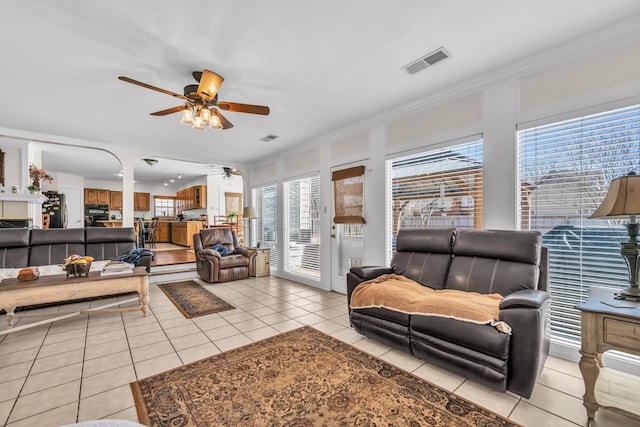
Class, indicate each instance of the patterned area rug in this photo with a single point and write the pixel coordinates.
(193, 300)
(300, 378)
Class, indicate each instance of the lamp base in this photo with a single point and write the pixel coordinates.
(632, 293)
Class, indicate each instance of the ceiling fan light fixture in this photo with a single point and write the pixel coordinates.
(210, 83)
(187, 116)
(205, 114)
(215, 121)
(197, 123)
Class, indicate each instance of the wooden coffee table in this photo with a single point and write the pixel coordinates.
(60, 288)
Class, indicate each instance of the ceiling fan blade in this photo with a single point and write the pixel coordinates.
(244, 108)
(210, 83)
(157, 89)
(168, 111)
(226, 124)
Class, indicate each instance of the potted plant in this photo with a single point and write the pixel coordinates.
(33, 189)
(232, 217)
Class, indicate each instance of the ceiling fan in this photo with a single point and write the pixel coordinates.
(202, 107)
(225, 171)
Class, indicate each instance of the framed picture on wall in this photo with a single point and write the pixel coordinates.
(2, 168)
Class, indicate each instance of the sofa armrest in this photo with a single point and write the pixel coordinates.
(526, 298)
(145, 261)
(357, 275)
(204, 253)
(528, 313)
(370, 272)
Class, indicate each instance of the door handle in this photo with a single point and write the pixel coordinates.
(333, 236)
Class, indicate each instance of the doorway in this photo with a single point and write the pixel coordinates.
(347, 239)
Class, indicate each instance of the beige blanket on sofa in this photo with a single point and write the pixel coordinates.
(399, 293)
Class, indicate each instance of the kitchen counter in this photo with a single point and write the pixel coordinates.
(109, 223)
(182, 232)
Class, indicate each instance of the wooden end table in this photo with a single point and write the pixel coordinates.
(60, 288)
(609, 324)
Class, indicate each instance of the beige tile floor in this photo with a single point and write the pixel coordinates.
(80, 368)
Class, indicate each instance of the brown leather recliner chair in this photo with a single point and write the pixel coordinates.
(211, 266)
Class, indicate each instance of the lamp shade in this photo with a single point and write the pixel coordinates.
(249, 212)
(209, 84)
(622, 199)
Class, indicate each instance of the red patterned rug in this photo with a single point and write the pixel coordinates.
(300, 378)
(193, 300)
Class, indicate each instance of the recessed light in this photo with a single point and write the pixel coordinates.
(172, 180)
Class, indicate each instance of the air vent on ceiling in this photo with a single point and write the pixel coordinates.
(426, 61)
(268, 138)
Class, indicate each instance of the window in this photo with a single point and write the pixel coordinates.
(437, 188)
(265, 202)
(301, 249)
(565, 171)
(164, 206)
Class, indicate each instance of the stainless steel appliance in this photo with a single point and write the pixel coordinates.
(56, 207)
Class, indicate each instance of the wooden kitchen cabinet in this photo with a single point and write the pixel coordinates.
(182, 232)
(141, 201)
(115, 200)
(192, 198)
(163, 232)
(93, 196)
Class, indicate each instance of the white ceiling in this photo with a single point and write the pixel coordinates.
(319, 66)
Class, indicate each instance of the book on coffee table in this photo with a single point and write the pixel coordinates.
(117, 267)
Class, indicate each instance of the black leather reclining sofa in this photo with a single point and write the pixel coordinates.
(23, 247)
(511, 263)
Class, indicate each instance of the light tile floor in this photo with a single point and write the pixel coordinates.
(80, 368)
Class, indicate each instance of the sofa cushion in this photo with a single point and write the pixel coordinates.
(14, 250)
(424, 255)
(104, 243)
(52, 246)
(236, 260)
(495, 261)
(484, 339)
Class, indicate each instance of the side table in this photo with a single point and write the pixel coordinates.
(262, 261)
(609, 324)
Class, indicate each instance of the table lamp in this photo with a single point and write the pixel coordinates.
(249, 213)
(623, 199)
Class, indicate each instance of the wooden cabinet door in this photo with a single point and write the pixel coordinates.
(90, 196)
(115, 200)
(162, 232)
(200, 196)
(262, 263)
(179, 234)
(141, 201)
(103, 197)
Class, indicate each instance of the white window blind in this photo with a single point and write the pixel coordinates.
(437, 188)
(265, 202)
(301, 230)
(565, 171)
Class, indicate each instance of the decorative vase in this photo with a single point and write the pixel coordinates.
(36, 183)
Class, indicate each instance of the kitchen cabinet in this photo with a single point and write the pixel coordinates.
(141, 201)
(182, 232)
(93, 196)
(115, 200)
(192, 198)
(163, 232)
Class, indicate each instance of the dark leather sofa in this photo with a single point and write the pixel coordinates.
(23, 247)
(211, 266)
(511, 263)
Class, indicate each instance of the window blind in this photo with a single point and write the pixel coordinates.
(436, 188)
(266, 223)
(301, 228)
(348, 191)
(565, 170)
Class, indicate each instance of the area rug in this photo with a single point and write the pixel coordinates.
(300, 378)
(193, 300)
